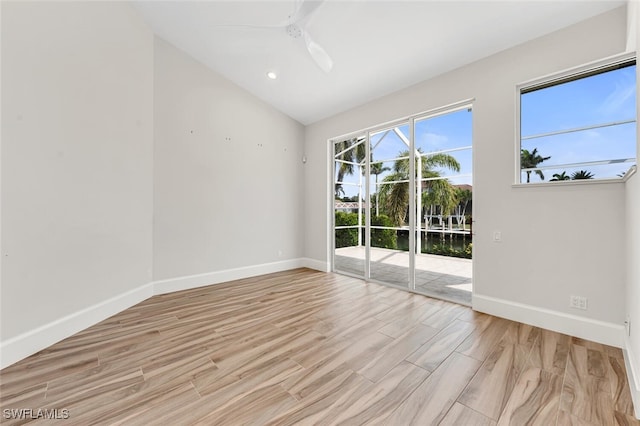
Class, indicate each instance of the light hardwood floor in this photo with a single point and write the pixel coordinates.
(304, 347)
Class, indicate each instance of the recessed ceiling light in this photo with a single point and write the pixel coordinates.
(272, 75)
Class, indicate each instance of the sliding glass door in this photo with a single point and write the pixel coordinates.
(402, 204)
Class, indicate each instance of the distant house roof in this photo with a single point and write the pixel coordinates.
(348, 204)
(464, 186)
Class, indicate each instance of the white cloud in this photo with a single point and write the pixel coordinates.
(617, 100)
(432, 140)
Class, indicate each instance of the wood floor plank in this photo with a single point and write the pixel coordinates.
(535, 399)
(462, 415)
(35, 371)
(498, 373)
(349, 323)
(365, 346)
(272, 372)
(583, 395)
(481, 343)
(521, 334)
(308, 381)
(256, 408)
(623, 419)
(28, 396)
(568, 419)
(236, 346)
(222, 395)
(394, 353)
(185, 368)
(405, 321)
(304, 347)
(550, 352)
(440, 319)
(432, 353)
(151, 410)
(127, 402)
(286, 341)
(375, 402)
(412, 309)
(620, 392)
(431, 401)
(319, 405)
(93, 381)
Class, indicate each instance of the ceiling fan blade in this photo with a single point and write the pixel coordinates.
(319, 55)
(304, 8)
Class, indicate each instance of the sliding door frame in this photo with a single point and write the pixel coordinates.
(366, 133)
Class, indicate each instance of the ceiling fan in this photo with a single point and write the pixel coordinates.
(295, 27)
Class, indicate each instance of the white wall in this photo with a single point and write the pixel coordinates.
(77, 113)
(98, 215)
(633, 286)
(553, 245)
(228, 175)
(632, 347)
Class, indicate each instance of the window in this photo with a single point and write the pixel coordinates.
(579, 125)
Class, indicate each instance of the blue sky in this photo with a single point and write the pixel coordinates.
(600, 99)
(434, 134)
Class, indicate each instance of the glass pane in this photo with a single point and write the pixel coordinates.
(389, 195)
(443, 205)
(615, 145)
(349, 168)
(349, 255)
(583, 128)
(601, 98)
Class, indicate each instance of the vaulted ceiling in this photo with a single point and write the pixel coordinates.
(377, 47)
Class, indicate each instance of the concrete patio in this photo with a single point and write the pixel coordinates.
(444, 277)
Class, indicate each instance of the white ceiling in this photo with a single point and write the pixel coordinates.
(378, 47)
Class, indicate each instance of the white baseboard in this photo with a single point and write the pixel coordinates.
(26, 344)
(193, 281)
(598, 331)
(14, 349)
(632, 364)
(318, 265)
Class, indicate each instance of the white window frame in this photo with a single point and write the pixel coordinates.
(559, 78)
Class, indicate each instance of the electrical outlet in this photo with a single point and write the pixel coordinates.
(583, 303)
(578, 302)
(497, 236)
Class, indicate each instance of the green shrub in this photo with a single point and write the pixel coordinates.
(445, 250)
(346, 237)
(385, 238)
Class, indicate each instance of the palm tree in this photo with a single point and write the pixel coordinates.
(378, 169)
(581, 174)
(530, 160)
(350, 151)
(441, 193)
(561, 176)
(464, 197)
(394, 197)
